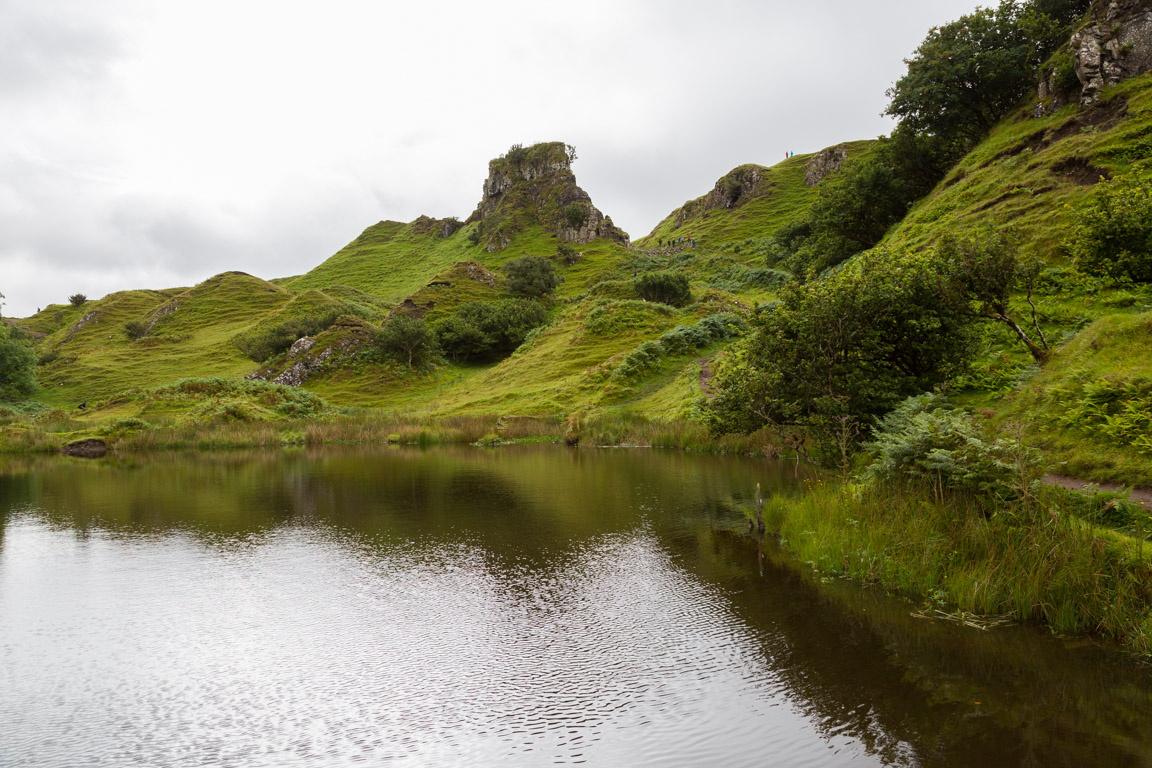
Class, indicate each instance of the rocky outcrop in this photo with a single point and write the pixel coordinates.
(426, 225)
(1115, 46)
(308, 354)
(732, 190)
(535, 185)
(82, 323)
(92, 448)
(825, 162)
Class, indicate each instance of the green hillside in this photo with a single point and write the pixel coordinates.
(1030, 173)
(90, 357)
(751, 201)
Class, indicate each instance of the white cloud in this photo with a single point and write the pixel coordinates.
(150, 145)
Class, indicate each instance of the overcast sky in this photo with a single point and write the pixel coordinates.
(150, 144)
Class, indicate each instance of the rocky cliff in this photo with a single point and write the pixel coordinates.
(732, 190)
(535, 186)
(1114, 45)
(825, 162)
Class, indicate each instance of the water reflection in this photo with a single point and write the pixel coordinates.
(512, 607)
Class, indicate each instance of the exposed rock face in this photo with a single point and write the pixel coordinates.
(535, 185)
(342, 340)
(732, 190)
(163, 312)
(82, 323)
(825, 162)
(1115, 45)
(92, 448)
(425, 225)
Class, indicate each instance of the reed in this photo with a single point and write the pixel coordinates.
(1038, 563)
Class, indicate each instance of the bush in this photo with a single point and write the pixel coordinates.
(923, 439)
(575, 215)
(1112, 234)
(261, 344)
(664, 287)
(854, 208)
(1111, 410)
(488, 330)
(134, 329)
(17, 364)
(532, 276)
(77, 299)
(681, 340)
(567, 254)
(407, 340)
(837, 353)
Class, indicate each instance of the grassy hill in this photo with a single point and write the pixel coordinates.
(603, 349)
(750, 201)
(1030, 173)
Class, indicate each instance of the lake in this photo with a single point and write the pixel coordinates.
(520, 606)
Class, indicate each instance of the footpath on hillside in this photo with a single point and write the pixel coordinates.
(1139, 494)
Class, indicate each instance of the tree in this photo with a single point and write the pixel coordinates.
(77, 299)
(1112, 234)
(968, 74)
(17, 364)
(985, 272)
(488, 330)
(135, 330)
(407, 339)
(855, 207)
(837, 353)
(665, 287)
(575, 215)
(532, 276)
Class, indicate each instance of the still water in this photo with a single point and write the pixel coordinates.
(511, 607)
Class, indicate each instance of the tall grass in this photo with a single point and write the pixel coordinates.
(623, 428)
(1038, 562)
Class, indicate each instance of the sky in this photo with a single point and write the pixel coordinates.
(150, 144)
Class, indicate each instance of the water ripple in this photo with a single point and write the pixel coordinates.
(304, 646)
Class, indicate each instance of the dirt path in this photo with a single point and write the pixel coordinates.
(1076, 484)
(706, 376)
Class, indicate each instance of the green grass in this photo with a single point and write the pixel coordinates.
(1028, 172)
(1042, 564)
(782, 196)
(192, 334)
(1090, 407)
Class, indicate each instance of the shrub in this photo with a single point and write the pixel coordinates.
(567, 254)
(836, 353)
(681, 340)
(134, 329)
(407, 340)
(532, 276)
(1112, 234)
(924, 439)
(575, 215)
(665, 287)
(488, 330)
(77, 299)
(262, 343)
(17, 364)
(1111, 410)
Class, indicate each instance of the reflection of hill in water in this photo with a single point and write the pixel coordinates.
(559, 540)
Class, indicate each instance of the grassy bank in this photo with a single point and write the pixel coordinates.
(233, 427)
(1045, 561)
